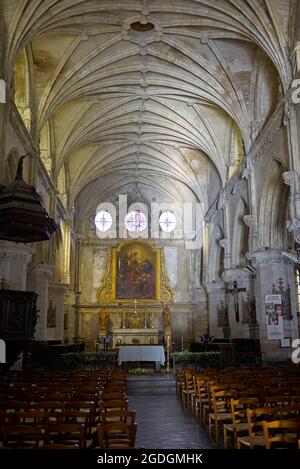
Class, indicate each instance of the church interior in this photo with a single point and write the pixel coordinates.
(149, 223)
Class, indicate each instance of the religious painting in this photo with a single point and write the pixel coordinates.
(136, 272)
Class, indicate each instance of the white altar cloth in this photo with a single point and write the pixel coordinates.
(142, 353)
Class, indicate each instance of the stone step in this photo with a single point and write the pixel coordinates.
(151, 385)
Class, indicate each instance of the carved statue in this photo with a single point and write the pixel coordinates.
(166, 317)
(103, 319)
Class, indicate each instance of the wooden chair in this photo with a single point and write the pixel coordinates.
(187, 389)
(67, 434)
(281, 433)
(107, 406)
(221, 413)
(32, 417)
(22, 436)
(58, 446)
(239, 425)
(117, 435)
(125, 416)
(255, 418)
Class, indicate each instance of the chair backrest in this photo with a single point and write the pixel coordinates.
(66, 433)
(117, 435)
(113, 396)
(114, 405)
(221, 400)
(255, 419)
(22, 436)
(281, 433)
(239, 408)
(125, 416)
(32, 417)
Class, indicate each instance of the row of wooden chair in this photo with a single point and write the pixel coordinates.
(87, 410)
(236, 403)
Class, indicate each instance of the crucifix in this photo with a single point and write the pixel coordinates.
(235, 293)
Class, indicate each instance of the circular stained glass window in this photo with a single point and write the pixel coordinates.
(167, 221)
(103, 220)
(135, 221)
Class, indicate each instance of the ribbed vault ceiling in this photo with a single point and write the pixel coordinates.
(170, 106)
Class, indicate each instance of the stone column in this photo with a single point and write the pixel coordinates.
(56, 296)
(292, 179)
(69, 321)
(271, 266)
(215, 295)
(243, 279)
(14, 259)
(38, 281)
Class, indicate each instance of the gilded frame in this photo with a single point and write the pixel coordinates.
(107, 292)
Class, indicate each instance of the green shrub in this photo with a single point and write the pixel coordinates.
(198, 359)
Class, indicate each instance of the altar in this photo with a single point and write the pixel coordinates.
(124, 336)
(142, 353)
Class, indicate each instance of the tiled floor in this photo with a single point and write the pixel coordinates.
(163, 424)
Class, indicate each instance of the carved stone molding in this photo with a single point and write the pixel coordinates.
(15, 253)
(249, 220)
(215, 287)
(289, 177)
(266, 256)
(238, 274)
(44, 270)
(293, 226)
(58, 287)
(224, 243)
(223, 199)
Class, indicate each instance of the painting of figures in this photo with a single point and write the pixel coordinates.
(135, 269)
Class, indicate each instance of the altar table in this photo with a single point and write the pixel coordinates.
(142, 353)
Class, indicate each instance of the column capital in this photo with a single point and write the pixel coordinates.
(42, 269)
(235, 274)
(290, 177)
(15, 252)
(58, 287)
(266, 256)
(214, 286)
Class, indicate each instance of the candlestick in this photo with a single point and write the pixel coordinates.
(168, 354)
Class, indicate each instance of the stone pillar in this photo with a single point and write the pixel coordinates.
(69, 321)
(215, 295)
(14, 259)
(271, 266)
(292, 179)
(38, 281)
(243, 279)
(56, 296)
